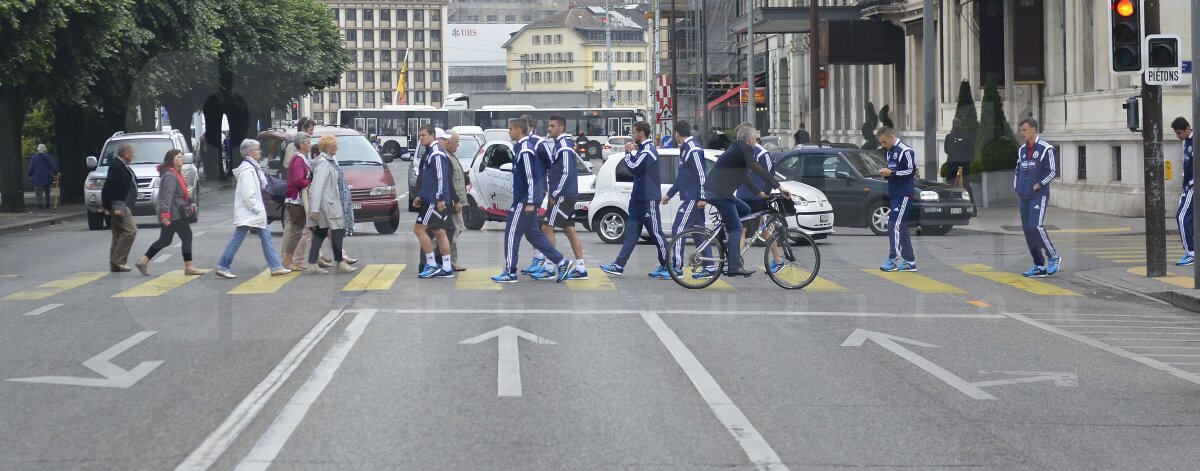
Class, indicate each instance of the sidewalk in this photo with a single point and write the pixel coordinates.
(1059, 220)
(34, 218)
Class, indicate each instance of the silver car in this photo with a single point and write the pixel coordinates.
(149, 148)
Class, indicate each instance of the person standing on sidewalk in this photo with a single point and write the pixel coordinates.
(42, 171)
(174, 209)
(901, 163)
(326, 213)
(249, 212)
(298, 179)
(1183, 215)
(1035, 170)
(801, 136)
(117, 198)
(960, 152)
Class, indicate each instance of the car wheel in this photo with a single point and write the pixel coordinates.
(95, 221)
(877, 218)
(389, 226)
(936, 230)
(473, 217)
(595, 150)
(610, 226)
(392, 149)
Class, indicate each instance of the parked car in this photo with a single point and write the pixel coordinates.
(850, 178)
(608, 212)
(489, 193)
(149, 148)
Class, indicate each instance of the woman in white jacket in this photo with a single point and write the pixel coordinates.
(249, 213)
(326, 215)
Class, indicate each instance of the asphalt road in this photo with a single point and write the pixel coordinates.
(962, 367)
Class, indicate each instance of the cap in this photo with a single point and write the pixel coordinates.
(440, 133)
(41, 148)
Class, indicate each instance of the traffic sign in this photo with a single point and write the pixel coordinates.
(1161, 60)
(665, 114)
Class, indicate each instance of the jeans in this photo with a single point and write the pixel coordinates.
(239, 234)
(732, 211)
(335, 239)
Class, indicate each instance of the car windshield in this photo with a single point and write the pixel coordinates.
(867, 163)
(355, 150)
(145, 151)
(467, 148)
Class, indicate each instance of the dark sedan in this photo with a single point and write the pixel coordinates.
(850, 179)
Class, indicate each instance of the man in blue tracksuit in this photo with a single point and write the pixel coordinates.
(528, 192)
(542, 150)
(1183, 215)
(434, 203)
(1035, 170)
(564, 193)
(689, 185)
(901, 163)
(643, 207)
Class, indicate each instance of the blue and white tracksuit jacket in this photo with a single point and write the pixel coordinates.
(434, 183)
(1183, 215)
(689, 185)
(902, 161)
(643, 203)
(562, 177)
(529, 186)
(1035, 167)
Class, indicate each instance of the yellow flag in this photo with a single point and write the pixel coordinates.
(400, 83)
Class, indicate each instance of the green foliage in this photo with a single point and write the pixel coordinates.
(885, 116)
(870, 142)
(38, 129)
(965, 109)
(995, 145)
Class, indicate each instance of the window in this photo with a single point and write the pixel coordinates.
(641, 95)
(435, 56)
(385, 14)
(558, 77)
(385, 56)
(419, 76)
(616, 57)
(435, 15)
(435, 76)
(510, 18)
(385, 34)
(369, 76)
(435, 35)
(369, 14)
(527, 18)
(316, 97)
(385, 76)
(351, 14)
(387, 97)
(352, 98)
(337, 15)
(571, 57)
(402, 35)
(558, 39)
(418, 15)
(537, 40)
(369, 98)
(639, 57)
(352, 76)
(369, 56)
(419, 36)
(1116, 164)
(493, 18)
(596, 56)
(537, 77)
(419, 57)
(352, 35)
(559, 57)
(570, 76)
(335, 97)
(436, 96)
(401, 15)
(595, 75)
(547, 39)
(524, 77)
(353, 55)
(420, 97)
(368, 35)
(1081, 164)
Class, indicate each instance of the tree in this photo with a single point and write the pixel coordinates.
(868, 128)
(964, 111)
(37, 129)
(885, 116)
(995, 145)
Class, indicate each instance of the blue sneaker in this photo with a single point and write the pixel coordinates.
(505, 277)
(428, 271)
(543, 275)
(1036, 272)
(442, 273)
(1187, 260)
(889, 266)
(1055, 264)
(775, 266)
(565, 267)
(534, 266)
(576, 274)
(704, 275)
(613, 269)
(660, 273)
(907, 266)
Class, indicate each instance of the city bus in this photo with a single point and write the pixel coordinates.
(395, 126)
(598, 124)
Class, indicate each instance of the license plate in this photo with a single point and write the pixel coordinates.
(356, 205)
(956, 210)
(824, 218)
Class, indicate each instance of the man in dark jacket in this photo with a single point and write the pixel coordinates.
(42, 171)
(117, 198)
(801, 136)
(730, 172)
(960, 152)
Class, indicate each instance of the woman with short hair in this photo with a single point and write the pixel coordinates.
(298, 179)
(249, 212)
(174, 210)
(326, 215)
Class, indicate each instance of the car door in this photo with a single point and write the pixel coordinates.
(668, 170)
(843, 187)
(495, 185)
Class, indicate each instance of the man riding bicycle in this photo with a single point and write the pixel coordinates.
(732, 170)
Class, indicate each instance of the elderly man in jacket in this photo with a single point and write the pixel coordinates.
(116, 199)
(458, 181)
(42, 170)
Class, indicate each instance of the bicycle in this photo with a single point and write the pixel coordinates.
(791, 257)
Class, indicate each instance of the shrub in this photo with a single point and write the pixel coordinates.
(995, 145)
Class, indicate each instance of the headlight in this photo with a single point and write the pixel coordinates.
(383, 191)
(929, 196)
(95, 183)
(966, 195)
(154, 182)
(797, 199)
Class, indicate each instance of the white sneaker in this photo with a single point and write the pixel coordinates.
(344, 267)
(315, 270)
(226, 274)
(280, 272)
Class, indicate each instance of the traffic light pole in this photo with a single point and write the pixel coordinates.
(814, 65)
(1156, 237)
(928, 34)
(1195, 117)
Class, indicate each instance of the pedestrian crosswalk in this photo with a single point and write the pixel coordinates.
(384, 277)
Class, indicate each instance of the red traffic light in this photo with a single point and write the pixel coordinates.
(1124, 8)
(295, 105)
(822, 79)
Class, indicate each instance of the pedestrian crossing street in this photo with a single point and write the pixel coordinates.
(383, 277)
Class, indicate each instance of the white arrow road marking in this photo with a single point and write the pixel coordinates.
(892, 343)
(43, 309)
(1059, 379)
(508, 368)
(114, 376)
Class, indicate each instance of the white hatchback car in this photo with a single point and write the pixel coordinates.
(608, 211)
(489, 185)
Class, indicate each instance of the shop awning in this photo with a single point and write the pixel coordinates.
(726, 96)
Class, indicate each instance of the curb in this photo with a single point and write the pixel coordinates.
(1183, 299)
(50, 221)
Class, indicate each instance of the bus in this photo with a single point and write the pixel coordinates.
(395, 126)
(598, 124)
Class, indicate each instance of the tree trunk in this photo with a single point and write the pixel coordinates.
(213, 159)
(70, 121)
(12, 173)
(113, 117)
(239, 127)
(180, 110)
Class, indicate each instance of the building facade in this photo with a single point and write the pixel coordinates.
(512, 11)
(567, 52)
(381, 37)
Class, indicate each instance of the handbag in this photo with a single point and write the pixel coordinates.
(276, 186)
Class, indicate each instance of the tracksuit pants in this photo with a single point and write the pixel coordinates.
(689, 215)
(643, 213)
(1184, 217)
(900, 244)
(1033, 214)
(525, 224)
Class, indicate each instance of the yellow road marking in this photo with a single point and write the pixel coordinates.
(1171, 278)
(916, 282)
(156, 287)
(819, 283)
(597, 281)
(377, 277)
(52, 288)
(1092, 231)
(1015, 280)
(478, 279)
(263, 283)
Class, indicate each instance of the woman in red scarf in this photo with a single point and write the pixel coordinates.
(174, 208)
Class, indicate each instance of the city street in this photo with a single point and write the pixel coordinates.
(964, 364)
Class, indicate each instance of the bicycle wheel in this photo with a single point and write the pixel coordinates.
(792, 259)
(690, 253)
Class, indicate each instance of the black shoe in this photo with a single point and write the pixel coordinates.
(741, 272)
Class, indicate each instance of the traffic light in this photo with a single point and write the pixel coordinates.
(822, 79)
(1133, 117)
(1162, 52)
(1125, 36)
(295, 110)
